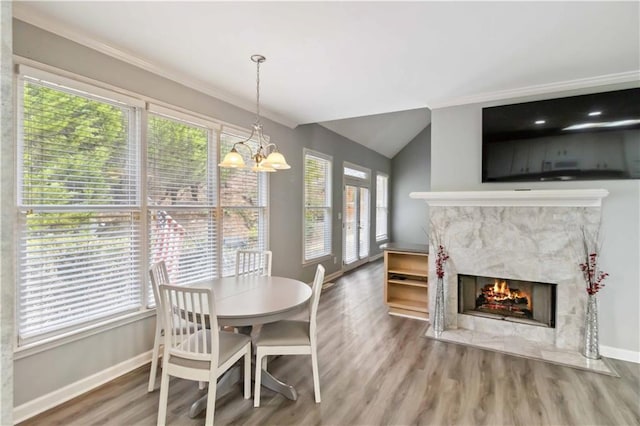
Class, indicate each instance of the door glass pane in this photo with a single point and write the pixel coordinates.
(350, 224)
(364, 223)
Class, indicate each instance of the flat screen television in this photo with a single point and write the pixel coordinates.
(586, 137)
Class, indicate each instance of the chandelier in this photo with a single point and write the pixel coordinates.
(265, 161)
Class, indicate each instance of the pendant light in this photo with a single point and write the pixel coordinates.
(267, 158)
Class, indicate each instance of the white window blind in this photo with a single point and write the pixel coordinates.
(363, 220)
(243, 198)
(79, 230)
(81, 243)
(382, 207)
(181, 179)
(317, 205)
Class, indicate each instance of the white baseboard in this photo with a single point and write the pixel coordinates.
(57, 397)
(333, 276)
(376, 257)
(621, 354)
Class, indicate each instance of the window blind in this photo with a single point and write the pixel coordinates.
(317, 205)
(382, 207)
(79, 230)
(181, 179)
(76, 267)
(363, 234)
(76, 151)
(244, 198)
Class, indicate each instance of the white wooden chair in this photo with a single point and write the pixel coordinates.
(158, 275)
(253, 262)
(288, 337)
(202, 353)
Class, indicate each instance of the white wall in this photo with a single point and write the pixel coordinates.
(456, 152)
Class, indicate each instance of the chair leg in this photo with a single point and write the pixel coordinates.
(164, 395)
(247, 372)
(316, 375)
(211, 399)
(154, 359)
(258, 379)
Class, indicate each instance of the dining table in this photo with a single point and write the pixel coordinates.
(244, 302)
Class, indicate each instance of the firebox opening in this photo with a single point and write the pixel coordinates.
(520, 301)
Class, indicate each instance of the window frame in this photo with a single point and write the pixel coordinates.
(63, 84)
(263, 185)
(382, 237)
(142, 105)
(329, 187)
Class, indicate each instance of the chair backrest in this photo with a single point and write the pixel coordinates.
(316, 289)
(253, 262)
(190, 313)
(158, 275)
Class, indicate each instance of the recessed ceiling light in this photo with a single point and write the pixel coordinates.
(594, 113)
(541, 121)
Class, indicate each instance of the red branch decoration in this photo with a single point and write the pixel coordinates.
(592, 275)
(441, 259)
(441, 255)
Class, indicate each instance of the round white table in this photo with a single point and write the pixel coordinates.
(247, 301)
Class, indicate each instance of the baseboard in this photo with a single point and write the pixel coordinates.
(57, 397)
(376, 257)
(333, 276)
(621, 354)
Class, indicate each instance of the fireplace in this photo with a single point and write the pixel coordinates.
(525, 302)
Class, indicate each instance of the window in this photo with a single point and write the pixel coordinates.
(382, 207)
(243, 197)
(79, 236)
(97, 205)
(181, 179)
(317, 205)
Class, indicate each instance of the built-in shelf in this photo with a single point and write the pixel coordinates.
(408, 304)
(416, 283)
(411, 272)
(406, 287)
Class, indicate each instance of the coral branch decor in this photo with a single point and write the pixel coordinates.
(441, 258)
(594, 278)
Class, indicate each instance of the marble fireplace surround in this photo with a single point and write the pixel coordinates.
(531, 235)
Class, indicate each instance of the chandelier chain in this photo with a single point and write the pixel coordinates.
(258, 92)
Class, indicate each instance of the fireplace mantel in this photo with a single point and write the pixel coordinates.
(515, 198)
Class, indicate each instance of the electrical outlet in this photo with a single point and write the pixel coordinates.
(335, 260)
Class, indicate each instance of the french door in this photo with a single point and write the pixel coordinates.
(356, 229)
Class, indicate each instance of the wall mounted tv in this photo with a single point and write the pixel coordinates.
(587, 137)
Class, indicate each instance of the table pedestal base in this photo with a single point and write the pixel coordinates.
(233, 377)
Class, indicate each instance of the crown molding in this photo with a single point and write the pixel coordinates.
(623, 77)
(26, 14)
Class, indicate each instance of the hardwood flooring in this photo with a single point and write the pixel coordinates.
(378, 369)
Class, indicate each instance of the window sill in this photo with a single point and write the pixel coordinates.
(43, 345)
(317, 260)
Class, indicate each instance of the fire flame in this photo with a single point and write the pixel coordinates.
(501, 292)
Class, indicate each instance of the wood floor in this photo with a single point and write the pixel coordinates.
(377, 370)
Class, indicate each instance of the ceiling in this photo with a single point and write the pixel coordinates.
(367, 70)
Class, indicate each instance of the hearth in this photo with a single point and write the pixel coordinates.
(519, 301)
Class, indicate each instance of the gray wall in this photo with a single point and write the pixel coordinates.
(457, 145)
(411, 173)
(42, 372)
